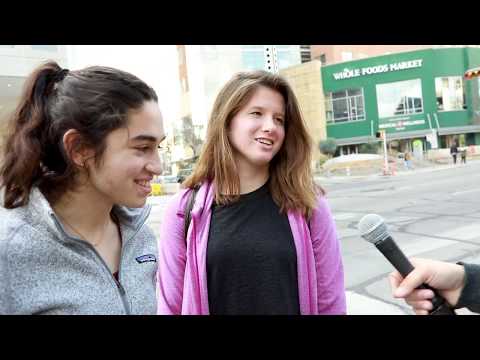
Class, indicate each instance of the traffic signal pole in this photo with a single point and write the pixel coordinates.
(385, 154)
(270, 58)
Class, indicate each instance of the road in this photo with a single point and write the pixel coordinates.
(431, 213)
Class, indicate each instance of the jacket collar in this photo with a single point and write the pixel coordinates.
(39, 212)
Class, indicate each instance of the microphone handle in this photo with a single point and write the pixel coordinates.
(397, 258)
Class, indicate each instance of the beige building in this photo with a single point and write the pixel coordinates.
(306, 81)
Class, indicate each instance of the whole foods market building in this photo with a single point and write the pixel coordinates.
(419, 98)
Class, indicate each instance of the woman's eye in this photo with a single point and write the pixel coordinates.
(256, 113)
(143, 148)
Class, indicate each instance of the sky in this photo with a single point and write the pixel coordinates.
(155, 64)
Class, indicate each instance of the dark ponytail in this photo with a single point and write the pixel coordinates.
(94, 101)
(24, 147)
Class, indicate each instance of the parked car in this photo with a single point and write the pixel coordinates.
(166, 179)
(183, 174)
(160, 184)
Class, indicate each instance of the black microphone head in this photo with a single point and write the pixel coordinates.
(372, 228)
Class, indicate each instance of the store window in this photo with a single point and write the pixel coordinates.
(399, 98)
(450, 93)
(345, 105)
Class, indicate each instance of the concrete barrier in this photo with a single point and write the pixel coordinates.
(170, 188)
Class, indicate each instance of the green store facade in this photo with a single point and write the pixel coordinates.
(419, 98)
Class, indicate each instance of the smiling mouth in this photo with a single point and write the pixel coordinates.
(144, 183)
(264, 141)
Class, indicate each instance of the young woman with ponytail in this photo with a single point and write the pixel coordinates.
(75, 172)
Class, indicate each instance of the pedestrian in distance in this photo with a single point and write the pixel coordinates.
(77, 164)
(463, 154)
(458, 284)
(408, 161)
(260, 236)
(454, 152)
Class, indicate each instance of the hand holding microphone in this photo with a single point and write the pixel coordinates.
(417, 284)
(446, 278)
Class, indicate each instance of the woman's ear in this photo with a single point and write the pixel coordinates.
(76, 149)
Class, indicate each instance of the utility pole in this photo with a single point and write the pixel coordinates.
(270, 58)
(382, 134)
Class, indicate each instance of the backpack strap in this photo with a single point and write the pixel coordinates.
(188, 211)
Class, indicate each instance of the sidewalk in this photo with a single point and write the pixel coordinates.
(401, 171)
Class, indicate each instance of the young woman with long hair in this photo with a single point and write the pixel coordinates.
(261, 238)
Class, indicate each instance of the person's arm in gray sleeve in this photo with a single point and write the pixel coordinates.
(5, 295)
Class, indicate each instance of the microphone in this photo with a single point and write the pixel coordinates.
(373, 229)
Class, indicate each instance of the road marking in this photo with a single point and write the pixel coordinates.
(345, 216)
(404, 188)
(422, 245)
(465, 192)
(467, 232)
(363, 305)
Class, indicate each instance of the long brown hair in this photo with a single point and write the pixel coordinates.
(94, 101)
(291, 181)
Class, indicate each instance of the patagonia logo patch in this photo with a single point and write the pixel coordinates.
(146, 258)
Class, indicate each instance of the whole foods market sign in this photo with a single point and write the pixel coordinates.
(378, 69)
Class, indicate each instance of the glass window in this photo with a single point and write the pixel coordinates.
(345, 105)
(339, 94)
(399, 98)
(354, 92)
(51, 48)
(450, 93)
(329, 107)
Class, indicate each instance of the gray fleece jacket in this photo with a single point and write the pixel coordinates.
(43, 270)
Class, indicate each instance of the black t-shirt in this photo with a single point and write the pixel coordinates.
(251, 258)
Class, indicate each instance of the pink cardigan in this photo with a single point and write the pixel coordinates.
(182, 275)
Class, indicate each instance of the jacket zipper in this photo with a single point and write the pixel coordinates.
(118, 286)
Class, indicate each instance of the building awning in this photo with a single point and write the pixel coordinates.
(408, 134)
(472, 73)
(459, 130)
(355, 140)
(390, 136)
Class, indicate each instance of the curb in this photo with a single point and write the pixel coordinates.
(399, 173)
